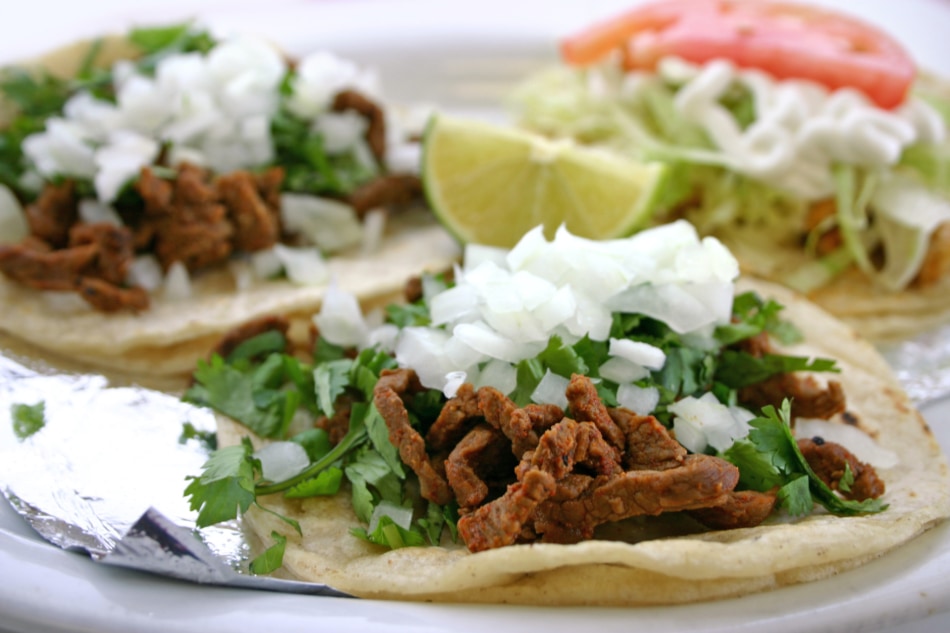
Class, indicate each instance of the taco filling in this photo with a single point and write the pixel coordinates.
(161, 188)
(805, 139)
(610, 400)
(187, 154)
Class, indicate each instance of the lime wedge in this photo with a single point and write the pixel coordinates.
(490, 184)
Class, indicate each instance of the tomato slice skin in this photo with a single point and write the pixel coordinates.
(787, 41)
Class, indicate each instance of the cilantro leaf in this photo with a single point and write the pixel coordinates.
(372, 481)
(563, 359)
(795, 496)
(378, 434)
(752, 317)
(28, 419)
(740, 369)
(330, 380)
(225, 488)
(325, 484)
(408, 315)
(272, 558)
(391, 526)
(263, 344)
(248, 396)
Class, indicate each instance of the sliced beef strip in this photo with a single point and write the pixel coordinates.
(374, 115)
(586, 406)
(187, 220)
(828, 460)
(701, 481)
(385, 192)
(476, 463)
(52, 214)
(411, 446)
(458, 415)
(500, 522)
(809, 398)
(517, 424)
(115, 252)
(108, 297)
(649, 444)
(256, 222)
(47, 270)
(741, 509)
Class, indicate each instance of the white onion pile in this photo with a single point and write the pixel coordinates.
(506, 305)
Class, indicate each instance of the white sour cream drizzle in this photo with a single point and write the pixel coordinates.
(801, 128)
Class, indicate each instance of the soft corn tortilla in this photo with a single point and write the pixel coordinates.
(168, 337)
(649, 568)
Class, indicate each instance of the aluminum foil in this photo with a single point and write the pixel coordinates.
(922, 364)
(106, 473)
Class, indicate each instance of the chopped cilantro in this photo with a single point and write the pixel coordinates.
(225, 488)
(770, 457)
(28, 419)
(739, 369)
(272, 558)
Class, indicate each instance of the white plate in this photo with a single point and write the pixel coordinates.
(464, 57)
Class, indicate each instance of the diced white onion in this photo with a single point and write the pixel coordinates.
(340, 130)
(453, 380)
(266, 264)
(640, 400)
(649, 356)
(374, 228)
(852, 438)
(340, 319)
(94, 212)
(551, 390)
(13, 226)
(282, 460)
(146, 273)
(242, 273)
(421, 349)
(620, 370)
(708, 418)
(329, 224)
(304, 266)
(498, 374)
(177, 286)
(454, 305)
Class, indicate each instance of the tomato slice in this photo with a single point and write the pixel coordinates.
(782, 39)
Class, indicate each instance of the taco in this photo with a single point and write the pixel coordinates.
(806, 140)
(622, 456)
(161, 187)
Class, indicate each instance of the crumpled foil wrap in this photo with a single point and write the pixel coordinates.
(106, 474)
(922, 364)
